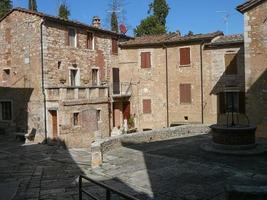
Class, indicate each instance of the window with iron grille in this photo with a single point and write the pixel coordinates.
(75, 119)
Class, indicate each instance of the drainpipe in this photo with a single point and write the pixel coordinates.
(167, 83)
(201, 81)
(42, 71)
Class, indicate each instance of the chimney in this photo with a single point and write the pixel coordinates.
(96, 22)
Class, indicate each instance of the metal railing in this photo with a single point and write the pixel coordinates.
(109, 190)
(121, 89)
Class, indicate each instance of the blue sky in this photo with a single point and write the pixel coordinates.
(199, 16)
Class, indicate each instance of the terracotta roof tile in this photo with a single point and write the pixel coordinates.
(167, 39)
(227, 40)
(61, 20)
(248, 5)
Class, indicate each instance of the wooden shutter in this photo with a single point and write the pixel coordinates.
(185, 56)
(221, 103)
(185, 93)
(230, 64)
(146, 106)
(242, 102)
(114, 46)
(145, 60)
(89, 44)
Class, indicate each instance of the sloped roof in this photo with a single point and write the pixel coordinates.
(248, 5)
(157, 40)
(227, 40)
(63, 21)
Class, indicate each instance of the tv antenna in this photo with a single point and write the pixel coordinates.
(225, 19)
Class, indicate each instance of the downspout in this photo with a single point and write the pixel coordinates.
(42, 71)
(201, 81)
(167, 83)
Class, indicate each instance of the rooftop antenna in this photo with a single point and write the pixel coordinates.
(225, 20)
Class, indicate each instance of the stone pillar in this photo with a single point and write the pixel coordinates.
(96, 155)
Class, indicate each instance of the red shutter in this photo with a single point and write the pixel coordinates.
(148, 60)
(185, 56)
(242, 102)
(185, 93)
(143, 60)
(146, 106)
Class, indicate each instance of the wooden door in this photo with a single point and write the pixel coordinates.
(116, 80)
(54, 123)
(126, 110)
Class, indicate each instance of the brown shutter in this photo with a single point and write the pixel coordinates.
(222, 102)
(67, 40)
(89, 44)
(148, 60)
(146, 106)
(185, 56)
(242, 102)
(230, 64)
(143, 59)
(114, 46)
(185, 93)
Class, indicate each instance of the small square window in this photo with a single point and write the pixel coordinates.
(75, 119)
(6, 74)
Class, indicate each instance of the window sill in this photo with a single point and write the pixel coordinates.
(189, 65)
(184, 104)
(145, 67)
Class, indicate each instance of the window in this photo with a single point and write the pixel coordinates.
(232, 101)
(98, 115)
(230, 64)
(145, 60)
(146, 106)
(73, 77)
(72, 37)
(6, 74)
(6, 110)
(75, 119)
(185, 93)
(95, 77)
(114, 46)
(185, 56)
(90, 41)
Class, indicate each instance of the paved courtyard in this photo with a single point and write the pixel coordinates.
(174, 169)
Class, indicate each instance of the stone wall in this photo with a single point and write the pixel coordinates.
(215, 80)
(20, 53)
(256, 65)
(102, 146)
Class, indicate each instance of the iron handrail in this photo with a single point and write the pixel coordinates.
(109, 190)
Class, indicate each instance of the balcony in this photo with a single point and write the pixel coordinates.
(68, 94)
(121, 89)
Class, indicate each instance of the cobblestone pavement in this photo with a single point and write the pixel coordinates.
(176, 169)
(39, 171)
(179, 169)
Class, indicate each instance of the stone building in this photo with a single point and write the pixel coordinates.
(55, 76)
(179, 79)
(255, 40)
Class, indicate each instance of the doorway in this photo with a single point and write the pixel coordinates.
(54, 127)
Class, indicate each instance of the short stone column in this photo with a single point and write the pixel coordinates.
(96, 155)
